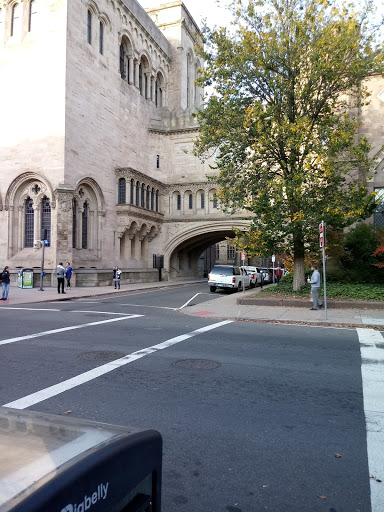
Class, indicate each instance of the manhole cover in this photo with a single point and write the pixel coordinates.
(196, 364)
(102, 355)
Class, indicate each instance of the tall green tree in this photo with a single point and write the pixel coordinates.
(283, 121)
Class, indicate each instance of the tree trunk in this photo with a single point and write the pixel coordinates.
(299, 268)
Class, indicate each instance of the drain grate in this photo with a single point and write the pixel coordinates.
(101, 355)
(196, 364)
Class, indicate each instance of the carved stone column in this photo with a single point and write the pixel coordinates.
(64, 220)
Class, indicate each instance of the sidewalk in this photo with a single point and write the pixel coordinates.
(226, 307)
(222, 306)
(30, 296)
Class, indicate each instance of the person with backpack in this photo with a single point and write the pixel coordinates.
(60, 277)
(5, 282)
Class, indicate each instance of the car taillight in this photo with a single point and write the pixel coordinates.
(253, 276)
(233, 280)
(208, 277)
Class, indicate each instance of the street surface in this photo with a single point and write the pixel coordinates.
(252, 414)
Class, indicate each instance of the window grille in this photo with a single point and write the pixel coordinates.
(46, 219)
(157, 161)
(147, 197)
(157, 200)
(217, 251)
(231, 251)
(89, 27)
(74, 223)
(137, 194)
(214, 201)
(141, 79)
(132, 191)
(101, 38)
(29, 223)
(156, 92)
(122, 190)
(122, 58)
(179, 202)
(202, 201)
(190, 201)
(152, 198)
(84, 227)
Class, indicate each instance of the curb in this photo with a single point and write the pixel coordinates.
(303, 303)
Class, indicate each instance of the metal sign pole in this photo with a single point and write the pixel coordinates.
(243, 260)
(41, 289)
(322, 245)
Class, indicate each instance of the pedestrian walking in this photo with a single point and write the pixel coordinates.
(68, 274)
(5, 282)
(116, 277)
(60, 277)
(314, 281)
(278, 274)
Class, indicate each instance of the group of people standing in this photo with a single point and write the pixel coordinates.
(63, 273)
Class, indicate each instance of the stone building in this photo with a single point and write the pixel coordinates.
(96, 133)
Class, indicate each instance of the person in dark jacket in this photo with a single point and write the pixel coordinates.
(116, 277)
(5, 281)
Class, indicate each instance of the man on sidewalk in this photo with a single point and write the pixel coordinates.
(314, 281)
(60, 277)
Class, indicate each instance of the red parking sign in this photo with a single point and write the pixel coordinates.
(321, 231)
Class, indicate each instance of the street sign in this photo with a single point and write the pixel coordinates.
(243, 256)
(273, 258)
(321, 231)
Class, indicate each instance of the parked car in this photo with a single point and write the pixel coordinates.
(254, 274)
(267, 275)
(228, 277)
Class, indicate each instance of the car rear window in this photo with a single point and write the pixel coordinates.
(226, 271)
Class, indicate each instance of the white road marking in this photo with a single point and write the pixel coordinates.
(372, 321)
(63, 329)
(30, 309)
(144, 306)
(44, 394)
(96, 312)
(372, 371)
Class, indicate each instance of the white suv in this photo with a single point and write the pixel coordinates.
(228, 277)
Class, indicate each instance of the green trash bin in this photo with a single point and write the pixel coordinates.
(25, 278)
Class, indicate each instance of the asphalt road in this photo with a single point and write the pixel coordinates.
(252, 415)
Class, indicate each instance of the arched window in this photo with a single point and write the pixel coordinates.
(122, 63)
(152, 198)
(214, 201)
(147, 198)
(122, 191)
(202, 201)
(141, 79)
(137, 193)
(74, 223)
(190, 201)
(89, 27)
(178, 201)
(157, 200)
(32, 14)
(29, 222)
(16, 22)
(84, 227)
(46, 220)
(132, 191)
(101, 38)
(156, 93)
(143, 195)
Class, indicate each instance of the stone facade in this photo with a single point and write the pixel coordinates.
(96, 133)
